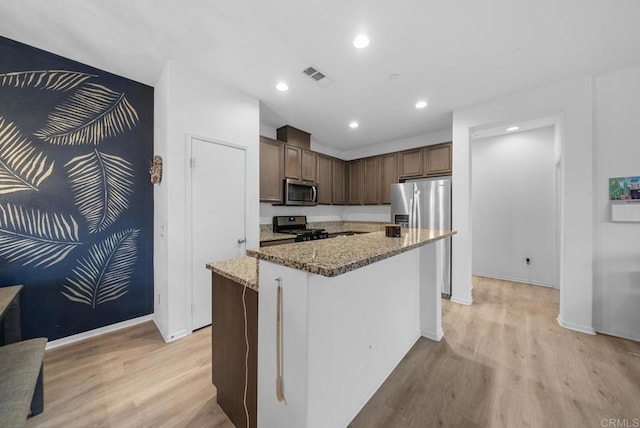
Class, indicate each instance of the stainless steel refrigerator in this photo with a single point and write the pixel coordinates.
(426, 204)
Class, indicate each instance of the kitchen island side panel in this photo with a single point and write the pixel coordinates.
(229, 349)
(361, 325)
(342, 336)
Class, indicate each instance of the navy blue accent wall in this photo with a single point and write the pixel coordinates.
(76, 202)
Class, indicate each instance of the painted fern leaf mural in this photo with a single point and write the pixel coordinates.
(105, 274)
(101, 186)
(35, 237)
(91, 114)
(55, 80)
(22, 167)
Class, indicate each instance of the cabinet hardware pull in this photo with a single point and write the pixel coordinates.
(279, 391)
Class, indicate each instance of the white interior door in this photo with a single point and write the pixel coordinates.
(217, 216)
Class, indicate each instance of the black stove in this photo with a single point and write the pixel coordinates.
(297, 225)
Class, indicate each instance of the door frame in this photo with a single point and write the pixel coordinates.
(188, 212)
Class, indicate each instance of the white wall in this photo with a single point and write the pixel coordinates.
(513, 206)
(617, 279)
(428, 139)
(572, 103)
(188, 103)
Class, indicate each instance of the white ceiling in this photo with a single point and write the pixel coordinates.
(453, 53)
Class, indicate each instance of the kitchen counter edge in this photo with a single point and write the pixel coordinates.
(371, 248)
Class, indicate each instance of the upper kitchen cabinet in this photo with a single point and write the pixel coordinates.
(271, 170)
(308, 169)
(354, 180)
(294, 137)
(371, 180)
(437, 159)
(388, 176)
(292, 162)
(324, 179)
(410, 163)
(338, 181)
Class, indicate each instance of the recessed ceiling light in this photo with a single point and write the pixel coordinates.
(513, 128)
(361, 41)
(421, 104)
(353, 124)
(282, 86)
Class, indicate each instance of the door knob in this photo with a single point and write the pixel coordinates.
(241, 240)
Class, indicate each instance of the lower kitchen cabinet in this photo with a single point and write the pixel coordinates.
(228, 348)
(325, 179)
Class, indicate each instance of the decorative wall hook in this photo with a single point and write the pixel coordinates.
(155, 170)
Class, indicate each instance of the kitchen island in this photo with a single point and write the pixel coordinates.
(350, 309)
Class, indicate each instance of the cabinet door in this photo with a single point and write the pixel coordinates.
(410, 163)
(324, 179)
(355, 182)
(308, 171)
(437, 159)
(371, 181)
(389, 175)
(292, 161)
(338, 168)
(271, 170)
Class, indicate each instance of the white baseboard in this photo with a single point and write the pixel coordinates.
(174, 336)
(519, 280)
(620, 334)
(467, 301)
(433, 336)
(98, 331)
(575, 327)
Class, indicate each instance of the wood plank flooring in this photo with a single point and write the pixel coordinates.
(131, 378)
(504, 362)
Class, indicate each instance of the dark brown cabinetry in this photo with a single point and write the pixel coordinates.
(324, 179)
(388, 176)
(271, 170)
(229, 349)
(354, 180)
(437, 159)
(371, 180)
(410, 163)
(294, 136)
(338, 182)
(292, 162)
(308, 166)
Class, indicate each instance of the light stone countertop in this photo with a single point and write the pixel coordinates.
(266, 233)
(336, 256)
(243, 270)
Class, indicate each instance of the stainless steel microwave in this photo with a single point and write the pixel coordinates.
(298, 192)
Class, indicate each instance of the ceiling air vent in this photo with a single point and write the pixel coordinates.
(313, 73)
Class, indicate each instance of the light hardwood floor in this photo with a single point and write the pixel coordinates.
(131, 378)
(504, 362)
